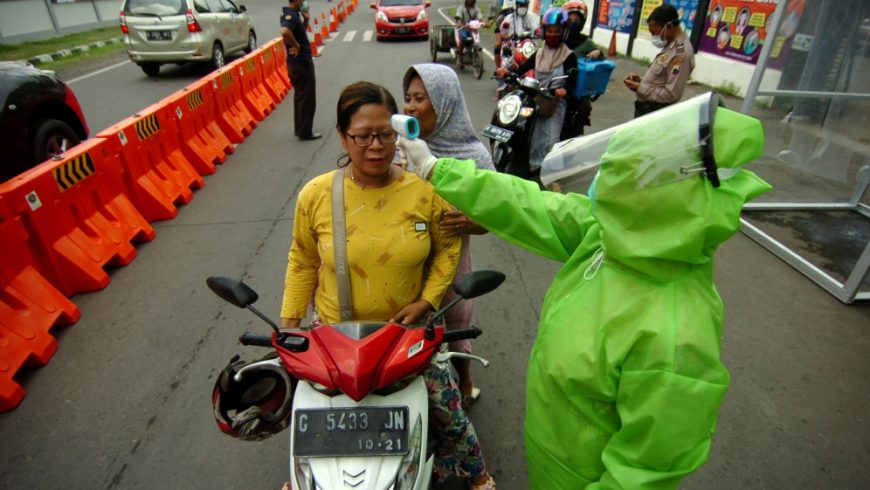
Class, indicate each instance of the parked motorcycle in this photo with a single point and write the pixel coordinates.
(472, 52)
(359, 415)
(513, 123)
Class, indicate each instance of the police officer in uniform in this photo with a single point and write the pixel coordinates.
(300, 66)
(664, 81)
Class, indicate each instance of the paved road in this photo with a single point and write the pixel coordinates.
(125, 401)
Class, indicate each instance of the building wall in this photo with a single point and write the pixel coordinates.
(24, 17)
(30, 20)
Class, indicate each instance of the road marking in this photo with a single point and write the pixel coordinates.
(451, 21)
(349, 36)
(89, 75)
(367, 36)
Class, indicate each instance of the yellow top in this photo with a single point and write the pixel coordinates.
(393, 234)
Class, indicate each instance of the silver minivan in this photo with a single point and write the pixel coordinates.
(177, 31)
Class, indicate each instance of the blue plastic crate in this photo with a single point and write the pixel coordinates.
(592, 77)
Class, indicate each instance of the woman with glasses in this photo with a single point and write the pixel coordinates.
(400, 261)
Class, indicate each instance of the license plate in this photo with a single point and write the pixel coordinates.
(369, 431)
(402, 30)
(159, 35)
(497, 133)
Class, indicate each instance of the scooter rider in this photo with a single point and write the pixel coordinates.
(465, 14)
(579, 110)
(551, 61)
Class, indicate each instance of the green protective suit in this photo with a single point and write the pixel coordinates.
(624, 381)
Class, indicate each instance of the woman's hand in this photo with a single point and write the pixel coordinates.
(412, 313)
(454, 223)
(594, 55)
(560, 92)
(501, 72)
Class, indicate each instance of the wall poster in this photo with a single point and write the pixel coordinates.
(688, 10)
(738, 28)
(619, 15)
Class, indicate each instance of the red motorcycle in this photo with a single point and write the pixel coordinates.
(352, 393)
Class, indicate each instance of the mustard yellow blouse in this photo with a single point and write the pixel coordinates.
(395, 248)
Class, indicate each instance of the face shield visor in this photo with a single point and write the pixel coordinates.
(671, 144)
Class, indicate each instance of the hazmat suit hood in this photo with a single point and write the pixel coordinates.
(670, 186)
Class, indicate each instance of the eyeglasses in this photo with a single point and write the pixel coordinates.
(364, 140)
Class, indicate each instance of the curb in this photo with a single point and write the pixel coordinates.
(63, 53)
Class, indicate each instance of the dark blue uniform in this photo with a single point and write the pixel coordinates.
(301, 70)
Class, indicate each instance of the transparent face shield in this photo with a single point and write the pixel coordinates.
(668, 145)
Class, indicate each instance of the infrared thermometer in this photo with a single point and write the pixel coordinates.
(408, 127)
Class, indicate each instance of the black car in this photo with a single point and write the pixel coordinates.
(39, 117)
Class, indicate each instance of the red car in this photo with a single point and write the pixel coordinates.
(401, 19)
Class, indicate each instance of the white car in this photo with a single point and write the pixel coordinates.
(177, 31)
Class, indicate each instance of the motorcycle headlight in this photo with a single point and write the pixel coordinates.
(303, 474)
(382, 16)
(407, 475)
(421, 15)
(528, 50)
(508, 109)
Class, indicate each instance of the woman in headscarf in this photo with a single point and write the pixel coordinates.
(434, 97)
(553, 60)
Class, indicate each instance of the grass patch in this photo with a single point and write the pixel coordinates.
(27, 50)
(644, 61)
(107, 51)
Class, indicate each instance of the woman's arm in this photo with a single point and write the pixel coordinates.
(444, 257)
(303, 261)
(550, 224)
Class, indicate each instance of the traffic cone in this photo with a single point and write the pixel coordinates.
(314, 52)
(611, 51)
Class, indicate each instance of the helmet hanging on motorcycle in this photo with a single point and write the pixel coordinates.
(257, 405)
(577, 8)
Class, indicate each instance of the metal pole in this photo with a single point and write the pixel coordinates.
(761, 65)
(53, 18)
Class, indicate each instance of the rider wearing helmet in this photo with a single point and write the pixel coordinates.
(551, 61)
(581, 44)
(579, 110)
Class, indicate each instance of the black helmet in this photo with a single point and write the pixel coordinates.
(256, 406)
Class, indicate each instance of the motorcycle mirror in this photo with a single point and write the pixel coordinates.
(232, 291)
(472, 285)
(478, 283)
(240, 295)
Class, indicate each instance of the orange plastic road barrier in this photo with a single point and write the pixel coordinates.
(318, 38)
(156, 174)
(277, 82)
(314, 52)
(254, 95)
(29, 308)
(324, 31)
(77, 216)
(333, 23)
(202, 142)
(233, 117)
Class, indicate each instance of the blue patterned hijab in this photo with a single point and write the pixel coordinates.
(453, 135)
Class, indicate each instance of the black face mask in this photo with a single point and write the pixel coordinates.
(574, 37)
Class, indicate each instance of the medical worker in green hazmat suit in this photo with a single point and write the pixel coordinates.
(624, 379)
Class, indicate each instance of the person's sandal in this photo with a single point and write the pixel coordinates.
(489, 484)
(469, 400)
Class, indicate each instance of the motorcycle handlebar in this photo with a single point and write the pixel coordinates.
(465, 333)
(248, 338)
